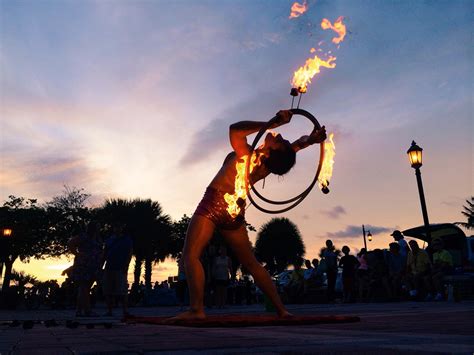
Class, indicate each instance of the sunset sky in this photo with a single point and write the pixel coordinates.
(134, 99)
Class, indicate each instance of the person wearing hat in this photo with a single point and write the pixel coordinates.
(442, 266)
(398, 236)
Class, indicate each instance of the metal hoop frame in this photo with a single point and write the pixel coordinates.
(294, 200)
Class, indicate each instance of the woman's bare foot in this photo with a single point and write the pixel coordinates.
(188, 315)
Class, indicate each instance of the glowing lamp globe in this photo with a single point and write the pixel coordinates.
(369, 236)
(7, 232)
(415, 155)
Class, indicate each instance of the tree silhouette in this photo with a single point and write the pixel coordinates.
(150, 229)
(279, 244)
(67, 216)
(29, 225)
(468, 212)
(179, 235)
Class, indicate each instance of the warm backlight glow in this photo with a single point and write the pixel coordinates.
(328, 162)
(338, 27)
(240, 191)
(298, 9)
(302, 77)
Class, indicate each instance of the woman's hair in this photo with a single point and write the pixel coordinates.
(282, 160)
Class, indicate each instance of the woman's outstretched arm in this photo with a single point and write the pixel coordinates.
(317, 136)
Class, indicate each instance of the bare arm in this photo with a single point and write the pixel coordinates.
(239, 131)
(317, 136)
(229, 265)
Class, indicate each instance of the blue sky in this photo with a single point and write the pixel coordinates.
(134, 99)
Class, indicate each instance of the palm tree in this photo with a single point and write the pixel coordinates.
(22, 279)
(149, 227)
(279, 244)
(468, 212)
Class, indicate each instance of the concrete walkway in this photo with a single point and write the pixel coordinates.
(388, 328)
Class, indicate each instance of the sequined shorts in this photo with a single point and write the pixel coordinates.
(214, 208)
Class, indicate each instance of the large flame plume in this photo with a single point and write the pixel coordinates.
(240, 187)
(338, 27)
(304, 74)
(328, 163)
(302, 77)
(298, 9)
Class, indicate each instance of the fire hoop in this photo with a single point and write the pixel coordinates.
(299, 198)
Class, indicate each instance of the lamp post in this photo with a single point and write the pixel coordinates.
(4, 247)
(363, 233)
(369, 237)
(416, 161)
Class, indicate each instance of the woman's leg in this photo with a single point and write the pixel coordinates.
(220, 296)
(87, 296)
(80, 299)
(199, 233)
(238, 240)
(83, 297)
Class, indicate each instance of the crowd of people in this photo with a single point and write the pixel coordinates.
(403, 271)
(222, 287)
(106, 264)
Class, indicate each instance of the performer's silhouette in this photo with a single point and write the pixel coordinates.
(276, 156)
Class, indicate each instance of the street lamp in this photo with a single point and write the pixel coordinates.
(7, 232)
(415, 155)
(369, 236)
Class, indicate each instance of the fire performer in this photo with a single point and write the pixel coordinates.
(276, 156)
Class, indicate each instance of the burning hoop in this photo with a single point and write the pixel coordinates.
(299, 198)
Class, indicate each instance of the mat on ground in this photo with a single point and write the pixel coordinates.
(239, 320)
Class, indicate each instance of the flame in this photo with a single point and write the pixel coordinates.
(240, 186)
(302, 77)
(338, 27)
(298, 9)
(328, 162)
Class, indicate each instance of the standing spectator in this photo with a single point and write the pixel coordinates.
(308, 272)
(349, 265)
(117, 256)
(418, 267)
(378, 275)
(294, 289)
(87, 250)
(398, 237)
(396, 269)
(330, 258)
(363, 274)
(221, 269)
(248, 290)
(317, 276)
(182, 286)
(442, 266)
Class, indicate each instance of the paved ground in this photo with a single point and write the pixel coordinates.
(388, 328)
